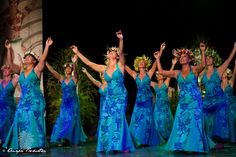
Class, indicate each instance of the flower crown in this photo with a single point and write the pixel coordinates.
(113, 48)
(68, 65)
(209, 52)
(32, 54)
(177, 53)
(146, 59)
(5, 66)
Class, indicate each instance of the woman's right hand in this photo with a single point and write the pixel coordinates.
(7, 44)
(74, 48)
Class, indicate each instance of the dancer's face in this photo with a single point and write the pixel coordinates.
(29, 59)
(184, 59)
(7, 71)
(68, 70)
(112, 55)
(142, 64)
(209, 60)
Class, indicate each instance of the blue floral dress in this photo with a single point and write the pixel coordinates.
(8, 107)
(232, 112)
(114, 134)
(162, 114)
(215, 107)
(28, 128)
(142, 125)
(68, 124)
(188, 133)
(102, 93)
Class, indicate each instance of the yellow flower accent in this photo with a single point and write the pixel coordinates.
(144, 58)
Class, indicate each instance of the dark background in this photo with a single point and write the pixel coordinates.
(91, 25)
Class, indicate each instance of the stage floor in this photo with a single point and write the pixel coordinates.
(89, 150)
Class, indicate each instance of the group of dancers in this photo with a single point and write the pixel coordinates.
(199, 125)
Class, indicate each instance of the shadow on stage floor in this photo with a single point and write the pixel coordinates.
(88, 149)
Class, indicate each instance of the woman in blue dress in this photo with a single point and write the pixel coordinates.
(215, 101)
(142, 125)
(163, 117)
(7, 100)
(68, 124)
(188, 133)
(102, 91)
(113, 134)
(28, 129)
(227, 85)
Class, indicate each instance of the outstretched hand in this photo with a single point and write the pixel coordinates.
(74, 58)
(202, 47)
(7, 44)
(163, 46)
(119, 34)
(74, 48)
(174, 60)
(157, 55)
(84, 70)
(49, 41)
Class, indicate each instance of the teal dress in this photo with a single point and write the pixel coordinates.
(232, 112)
(8, 107)
(114, 134)
(102, 93)
(188, 132)
(68, 124)
(142, 125)
(28, 128)
(215, 107)
(162, 114)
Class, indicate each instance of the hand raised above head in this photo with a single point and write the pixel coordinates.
(74, 58)
(49, 41)
(74, 48)
(202, 46)
(163, 46)
(156, 54)
(7, 44)
(119, 34)
(84, 70)
(174, 60)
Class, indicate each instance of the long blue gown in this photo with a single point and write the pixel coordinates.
(102, 93)
(114, 134)
(163, 116)
(8, 107)
(188, 133)
(232, 112)
(68, 124)
(142, 125)
(28, 128)
(215, 107)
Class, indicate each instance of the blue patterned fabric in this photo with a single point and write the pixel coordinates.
(113, 132)
(28, 128)
(215, 107)
(102, 93)
(142, 125)
(232, 112)
(8, 107)
(188, 133)
(162, 114)
(68, 124)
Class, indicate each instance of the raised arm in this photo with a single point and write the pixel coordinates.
(94, 66)
(199, 68)
(94, 81)
(174, 61)
(165, 73)
(224, 66)
(14, 67)
(121, 47)
(131, 72)
(40, 66)
(153, 69)
(75, 76)
(233, 76)
(54, 73)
